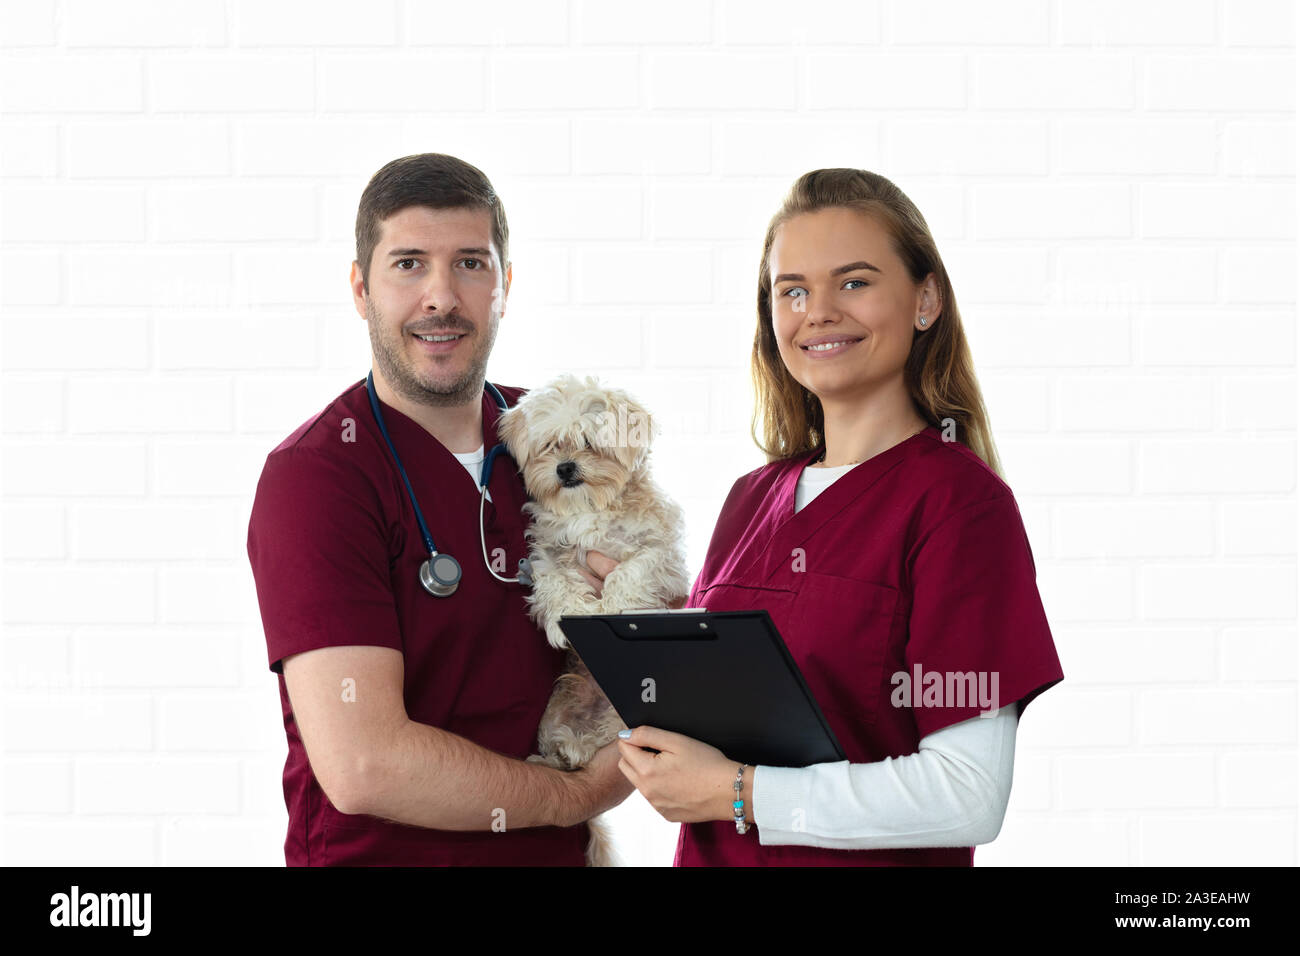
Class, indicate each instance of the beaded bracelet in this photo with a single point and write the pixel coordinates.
(738, 807)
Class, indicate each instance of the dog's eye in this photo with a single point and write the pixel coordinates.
(586, 442)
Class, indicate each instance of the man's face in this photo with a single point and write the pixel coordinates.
(434, 272)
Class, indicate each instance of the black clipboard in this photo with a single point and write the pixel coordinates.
(723, 677)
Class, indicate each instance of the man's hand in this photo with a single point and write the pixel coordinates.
(597, 570)
(600, 785)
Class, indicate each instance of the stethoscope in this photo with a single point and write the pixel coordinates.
(440, 574)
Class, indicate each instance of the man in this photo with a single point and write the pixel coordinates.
(408, 715)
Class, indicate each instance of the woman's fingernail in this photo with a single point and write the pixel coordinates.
(625, 734)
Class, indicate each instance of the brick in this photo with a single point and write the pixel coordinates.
(109, 596)
(669, 21)
(1136, 781)
(1259, 653)
(1259, 23)
(59, 82)
(1216, 211)
(316, 23)
(1106, 23)
(235, 213)
(1145, 147)
(230, 82)
(58, 468)
(644, 275)
(968, 148)
(59, 213)
(1135, 529)
(1208, 717)
(30, 278)
(82, 723)
(639, 147)
(1218, 839)
(1184, 337)
(571, 81)
(954, 22)
(34, 532)
(1216, 466)
(144, 23)
(1259, 402)
(788, 147)
(157, 785)
(185, 279)
(29, 149)
(1052, 211)
(1259, 528)
(1236, 83)
(1149, 655)
(167, 659)
(1054, 81)
(347, 83)
(722, 81)
(819, 22)
(1119, 403)
(33, 406)
(882, 81)
(1259, 148)
(512, 22)
(1121, 277)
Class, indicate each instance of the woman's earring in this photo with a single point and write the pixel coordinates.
(922, 321)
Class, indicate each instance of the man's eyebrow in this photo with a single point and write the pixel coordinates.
(838, 270)
(468, 251)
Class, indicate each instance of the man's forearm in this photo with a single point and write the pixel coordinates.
(428, 777)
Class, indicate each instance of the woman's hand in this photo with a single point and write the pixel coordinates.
(687, 781)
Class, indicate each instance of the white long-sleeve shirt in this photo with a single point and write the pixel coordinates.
(952, 792)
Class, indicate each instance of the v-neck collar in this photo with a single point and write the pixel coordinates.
(420, 449)
(794, 528)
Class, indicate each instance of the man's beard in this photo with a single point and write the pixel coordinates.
(395, 365)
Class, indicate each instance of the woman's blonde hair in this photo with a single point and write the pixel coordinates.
(939, 373)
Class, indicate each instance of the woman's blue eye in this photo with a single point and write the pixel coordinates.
(798, 289)
(860, 281)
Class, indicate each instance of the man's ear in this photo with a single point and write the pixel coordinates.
(358, 288)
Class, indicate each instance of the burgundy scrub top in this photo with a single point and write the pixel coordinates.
(336, 550)
(916, 557)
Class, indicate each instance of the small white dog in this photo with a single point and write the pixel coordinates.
(583, 451)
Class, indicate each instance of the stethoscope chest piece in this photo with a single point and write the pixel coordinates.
(440, 575)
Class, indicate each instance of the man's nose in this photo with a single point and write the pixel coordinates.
(440, 293)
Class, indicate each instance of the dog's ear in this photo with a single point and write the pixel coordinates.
(641, 429)
(512, 429)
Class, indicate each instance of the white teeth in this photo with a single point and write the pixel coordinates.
(437, 338)
(826, 347)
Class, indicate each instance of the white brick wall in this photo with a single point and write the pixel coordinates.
(1112, 186)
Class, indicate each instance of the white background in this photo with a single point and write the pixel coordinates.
(1112, 188)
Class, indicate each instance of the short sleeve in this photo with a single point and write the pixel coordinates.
(978, 637)
(319, 553)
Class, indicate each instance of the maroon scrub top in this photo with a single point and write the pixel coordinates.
(336, 551)
(918, 556)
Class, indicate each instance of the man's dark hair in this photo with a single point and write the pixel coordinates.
(435, 180)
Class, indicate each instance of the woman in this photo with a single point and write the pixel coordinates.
(887, 549)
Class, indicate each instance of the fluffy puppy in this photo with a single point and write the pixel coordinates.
(584, 451)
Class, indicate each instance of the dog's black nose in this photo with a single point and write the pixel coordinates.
(567, 472)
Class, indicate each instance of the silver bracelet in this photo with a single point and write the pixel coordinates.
(738, 806)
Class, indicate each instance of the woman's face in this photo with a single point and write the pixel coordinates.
(837, 283)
